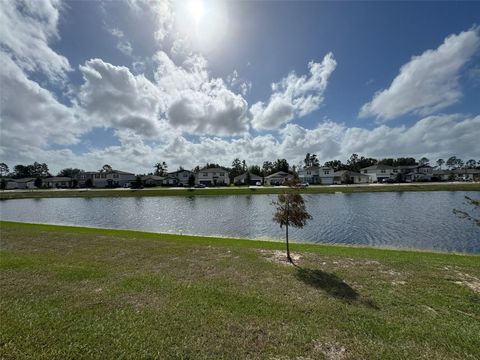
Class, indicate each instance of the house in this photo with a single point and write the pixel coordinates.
(58, 182)
(350, 177)
(112, 178)
(379, 172)
(419, 173)
(25, 183)
(316, 175)
(278, 178)
(457, 174)
(212, 176)
(153, 180)
(177, 178)
(242, 179)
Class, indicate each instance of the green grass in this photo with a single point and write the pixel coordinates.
(82, 293)
(29, 194)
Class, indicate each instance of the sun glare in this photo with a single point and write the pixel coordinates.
(196, 9)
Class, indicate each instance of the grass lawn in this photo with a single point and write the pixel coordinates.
(159, 191)
(78, 293)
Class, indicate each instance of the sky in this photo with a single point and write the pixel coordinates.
(135, 82)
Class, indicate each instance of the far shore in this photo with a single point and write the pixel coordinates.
(233, 190)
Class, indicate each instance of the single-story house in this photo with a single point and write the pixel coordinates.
(153, 180)
(316, 175)
(242, 179)
(350, 177)
(457, 174)
(58, 182)
(25, 183)
(212, 177)
(278, 178)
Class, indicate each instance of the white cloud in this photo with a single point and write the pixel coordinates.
(123, 45)
(196, 103)
(427, 83)
(294, 96)
(26, 28)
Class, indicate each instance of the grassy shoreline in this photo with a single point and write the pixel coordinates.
(73, 292)
(32, 194)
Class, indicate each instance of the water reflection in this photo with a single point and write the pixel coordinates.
(408, 220)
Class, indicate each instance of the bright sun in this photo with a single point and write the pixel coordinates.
(196, 9)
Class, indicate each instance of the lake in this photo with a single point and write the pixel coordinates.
(414, 220)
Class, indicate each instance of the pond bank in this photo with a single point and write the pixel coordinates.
(71, 292)
(159, 191)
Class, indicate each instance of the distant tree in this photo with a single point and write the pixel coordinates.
(280, 165)
(244, 165)
(180, 168)
(196, 169)
(451, 162)
(470, 164)
(255, 169)
(248, 177)
(389, 162)
(466, 215)
(191, 180)
(310, 160)
(138, 181)
(34, 170)
(4, 170)
(267, 168)
(69, 172)
(237, 168)
(401, 161)
(161, 168)
(459, 163)
(38, 182)
(3, 184)
(336, 165)
(440, 163)
(424, 161)
(290, 211)
(106, 168)
(88, 183)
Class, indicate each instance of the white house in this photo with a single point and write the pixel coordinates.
(379, 172)
(58, 182)
(25, 183)
(105, 179)
(316, 175)
(212, 177)
(242, 179)
(153, 180)
(350, 177)
(178, 178)
(278, 178)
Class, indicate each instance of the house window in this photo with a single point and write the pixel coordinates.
(308, 173)
(382, 171)
(214, 174)
(97, 176)
(222, 174)
(115, 175)
(205, 174)
(326, 172)
(395, 170)
(365, 171)
(184, 174)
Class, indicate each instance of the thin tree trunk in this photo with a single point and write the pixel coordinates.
(288, 248)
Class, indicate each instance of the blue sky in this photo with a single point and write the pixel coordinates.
(131, 83)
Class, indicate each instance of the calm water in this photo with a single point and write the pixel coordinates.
(422, 220)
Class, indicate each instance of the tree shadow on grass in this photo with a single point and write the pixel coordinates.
(332, 285)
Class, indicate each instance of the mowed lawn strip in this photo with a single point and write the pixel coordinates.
(71, 292)
(159, 191)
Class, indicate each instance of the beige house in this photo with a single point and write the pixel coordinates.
(212, 177)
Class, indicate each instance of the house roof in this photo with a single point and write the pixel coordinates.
(153, 177)
(214, 169)
(58, 178)
(24, 180)
(178, 171)
(282, 174)
(317, 168)
(378, 167)
(349, 173)
(244, 176)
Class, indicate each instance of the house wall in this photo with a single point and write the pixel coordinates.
(211, 177)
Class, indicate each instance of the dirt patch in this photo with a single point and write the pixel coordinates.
(279, 257)
(331, 350)
(469, 281)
